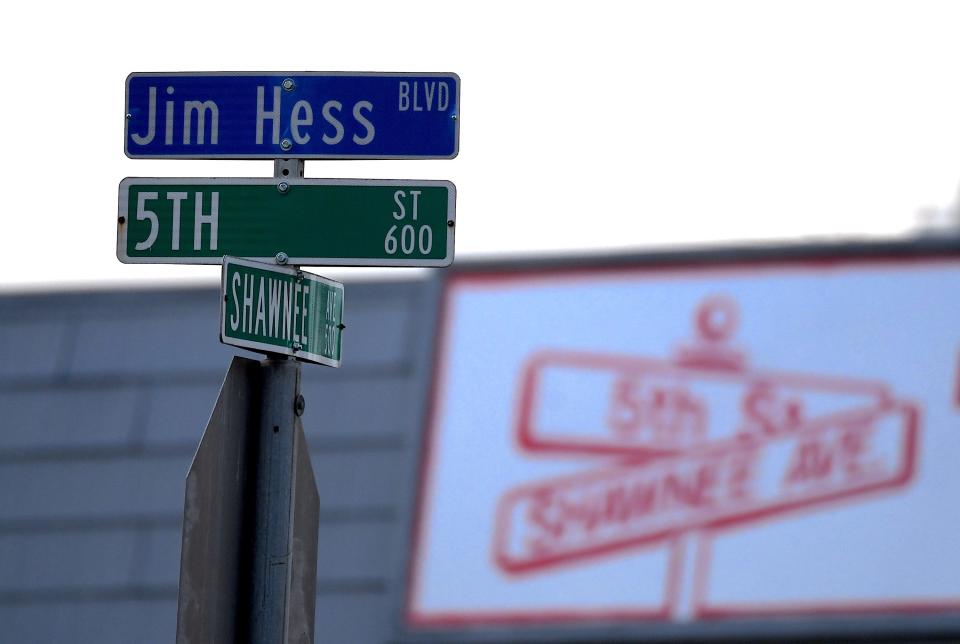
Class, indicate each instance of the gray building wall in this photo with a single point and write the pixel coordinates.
(103, 399)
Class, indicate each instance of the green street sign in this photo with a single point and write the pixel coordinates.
(319, 222)
(281, 310)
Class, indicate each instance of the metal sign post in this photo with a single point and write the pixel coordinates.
(284, 554)
(249, 553)
(251, 511)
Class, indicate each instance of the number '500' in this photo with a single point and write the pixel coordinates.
(407, 238)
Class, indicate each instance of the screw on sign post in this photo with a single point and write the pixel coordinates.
(249, 550)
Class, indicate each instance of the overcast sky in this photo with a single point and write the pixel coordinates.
(586, 126)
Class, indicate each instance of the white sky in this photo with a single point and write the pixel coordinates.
(585, 126)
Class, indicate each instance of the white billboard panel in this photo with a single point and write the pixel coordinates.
(690, 443)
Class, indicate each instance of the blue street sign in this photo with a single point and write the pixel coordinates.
(297, 115)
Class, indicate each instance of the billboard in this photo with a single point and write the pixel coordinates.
(682, 443)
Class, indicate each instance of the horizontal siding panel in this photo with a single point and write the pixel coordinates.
(177, 414)
(354, 618)
(347, 551)
(92, 488)
(77, 560)
(117, 621)
(58, 418)
(375, 336)
(31, 347)
(160, 564)
(373, 405)
(160, 341)
(359, 478)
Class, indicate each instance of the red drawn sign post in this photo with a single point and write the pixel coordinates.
(694, 443)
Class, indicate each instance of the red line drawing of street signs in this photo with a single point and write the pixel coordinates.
(692, 445)
(604, 404)
(571, 518)
(614, 405)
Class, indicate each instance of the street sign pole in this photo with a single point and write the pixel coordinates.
(251, 511)
(248, 558)
(286, 504)
(283, 583)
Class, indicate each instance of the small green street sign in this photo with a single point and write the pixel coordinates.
(281, 310)
(318, 222)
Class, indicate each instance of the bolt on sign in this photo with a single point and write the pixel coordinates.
(281, 310)
(795, 453)
(301, 115)
(330, 222)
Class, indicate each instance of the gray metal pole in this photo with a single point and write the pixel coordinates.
(273, 500)
(280, 450)
(248, 567)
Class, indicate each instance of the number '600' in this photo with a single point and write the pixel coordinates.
(408, 239)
